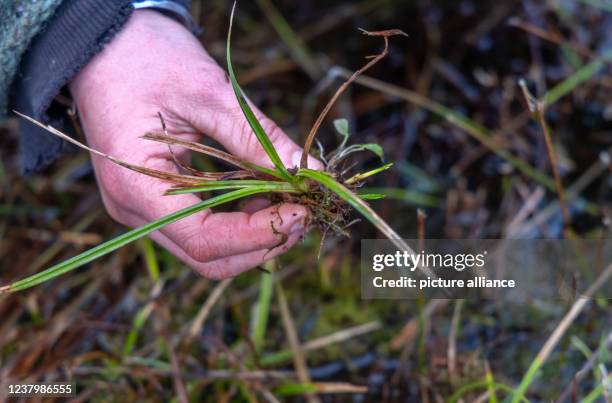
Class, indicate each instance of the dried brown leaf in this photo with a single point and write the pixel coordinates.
(197, 147)
(185, 180)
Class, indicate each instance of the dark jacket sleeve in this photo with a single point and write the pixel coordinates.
(78, 30)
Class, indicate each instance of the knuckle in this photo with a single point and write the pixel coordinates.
(196, 248)
(202, 91)
(248, 137)
(275, 133)
(250, 140)
(200, 248)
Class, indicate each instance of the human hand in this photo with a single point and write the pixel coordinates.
(155, 64)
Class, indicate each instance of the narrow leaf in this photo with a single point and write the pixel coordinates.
(261, 312)
(406, 196)
(186, 180)
(375, 148)
(570, 83)
(129, 237)
(351, 198)
(361, 176)
(263, 138)
(371, 196)
(232, 184)
(294, 388)
(211, 151)
(362, 207)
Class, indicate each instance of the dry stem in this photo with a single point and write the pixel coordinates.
(538, 108)
(375, 59)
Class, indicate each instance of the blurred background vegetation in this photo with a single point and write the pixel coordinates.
(446, 107)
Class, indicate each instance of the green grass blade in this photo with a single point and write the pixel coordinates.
(373, 147)
(263, 138)
(268, 171)
(262, 311)
(361, 176)
(294, 389)
(601, 4)
(131, 236)
(137, 323)
(596, 393)
(148, 253)
(371, 196)
(352, 199)
(481, 384)
(581, 346)
(491, 385)
(406, 196)
(229, 184)
(570, 83)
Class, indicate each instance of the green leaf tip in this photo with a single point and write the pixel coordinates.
(361, 176)
(371, 196)
(258, 130)
(375, 148)
(342, 126)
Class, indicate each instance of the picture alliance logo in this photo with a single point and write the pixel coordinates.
(412, 261)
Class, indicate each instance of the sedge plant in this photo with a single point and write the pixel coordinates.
(329, 194)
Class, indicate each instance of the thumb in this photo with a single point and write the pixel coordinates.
(225, 122)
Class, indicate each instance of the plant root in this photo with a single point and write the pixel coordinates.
(283, 236)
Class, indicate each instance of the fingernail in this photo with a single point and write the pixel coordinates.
(297, 227)
(296, 158)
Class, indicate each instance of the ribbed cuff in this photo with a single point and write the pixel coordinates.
(76, 33)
